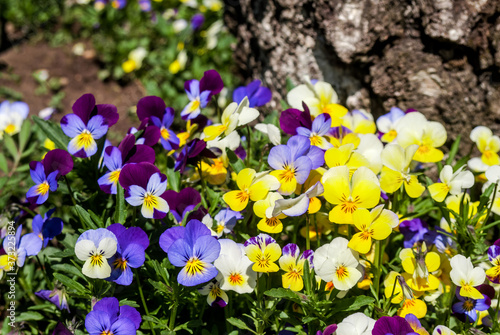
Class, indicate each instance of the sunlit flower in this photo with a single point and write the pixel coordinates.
(235, 268)
(95, 247)
(359, 121)
(269, 223)
(318, 131)
(493, 273)
(12, 115)
(387, 124)
(418, 263)
(451, 182)
(299, 205)
(263, 251)
(469, 307)
(466, 276)
(489, 145)
(257, 95)
(18, 248)
(107, 317)
(356, 324)
(200, 93)
(443, 330)
(292, 262)
(415, 324)
(215, 296)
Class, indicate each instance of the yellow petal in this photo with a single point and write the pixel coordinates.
(245, 178)
(432, 261)
(427, 154)
(439, 191)
(390, 180)
(361, 243)
(237, 200)
(413, 188)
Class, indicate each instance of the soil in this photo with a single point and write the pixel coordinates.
(79, 75)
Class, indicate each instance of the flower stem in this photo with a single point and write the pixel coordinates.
(144, 301)
(70, 190)
(308, 241)
(378, 264)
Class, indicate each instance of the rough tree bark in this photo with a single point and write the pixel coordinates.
(441, 57)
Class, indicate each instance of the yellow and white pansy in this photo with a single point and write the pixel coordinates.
(489, 145)
(419, 264)
(94, 247)
(269, 223)
(466, 276)
(235, 268)
(451, 182)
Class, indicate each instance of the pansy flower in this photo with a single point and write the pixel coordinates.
(252, 186)
(145, 186)
(413, 231)
(419, 263)
(223, 222)
(342, 135)
(132, 243)
(263, 251)
(443, 330)
(468, 308)
(235, 267)
(257, 95)
(493, 273)
(392, 325)
(192, 153)
(12, 115)
(17, 248)
(451, 182)
(46, 228)
(263, 209)
(88, 123)
(194, 249)
(57, 296)
(359, 121)
(200, 93)
(386, 124)
(95, 247)
(350, 194)
(291, 119)
(107, 317)
(215, 296)
(489, 146)
(318, 131)
(183, 203)
(356, 324)
(293, 162)
(292, 262)
(399, 292)
(415, 324)
(345, 155)
(45, 174)
(466, 276)
(337, 263)
(116, 157)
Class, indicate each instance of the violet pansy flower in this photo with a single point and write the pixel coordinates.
(107, 317)
(115, 158)
(467, 308)
(46, 228)
(200, 93)
(56, 296)
(394, 325)
(257, 95)
(194, 249)
(292, 118)
(183, 202)
(192, 153)
(145, 186)
(318, 131)
(17, 248)
(88, 123)
(130, 252)
(413, 231)
(45, 174)
(169, 139)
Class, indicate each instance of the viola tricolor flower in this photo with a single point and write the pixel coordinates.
(192, 153)
(257, 95)
(418, 264)
(235, 268)
(387, 123)
(466, 276)
(356, 324)
(145, 186)
(215, 296)
(183, 202)
(194, 249)
(56, 296)
(392, 325)
(292, 262)
(200, 93)
(415, 324)
(130, 252)
(291, 119)
(17, 248)
(493, 273)
(224, 222)
(489, 146)
(46, 228)
(12, 115)
(468, 308)
(451, 182)
(88, 123)
(107, 317)
(319, 130)
(413, 231)
(169, 139)
(293, 162)
(95, 247)
(45, 174)
(263, 251)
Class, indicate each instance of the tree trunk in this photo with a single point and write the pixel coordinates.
(441, 57)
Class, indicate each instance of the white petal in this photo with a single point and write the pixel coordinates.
(107, 247)
(247, 115)
(103, 271)
(84, 249)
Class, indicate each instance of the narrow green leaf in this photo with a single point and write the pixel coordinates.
(3, 163)
(10, 145)
(71, 284)
(352, 304)
(71, 269)
(174, 180)
(84, 217)
(121, 210)
(282, 293)
(453, 151)
(239, 324)
(236, 163)
(63, 253)
(24, 135)
(53, 132)
(29, 316)
(96, 219)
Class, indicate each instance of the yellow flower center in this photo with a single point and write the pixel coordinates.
(423, 149)
(349, 205)
(195, 105)
(264, 260)
(235, 279)
(165, 134)
(84, 139)
(242, 196)
(287, 175)
(316, 140)
(150, 201)
(120, 263)
(43, 188)
(468, 305)
(341, 272)
(215, 291)
(10, 129)
(194, 266)
(96, 260)
(106, 332)
(272, 222)
(114, 176)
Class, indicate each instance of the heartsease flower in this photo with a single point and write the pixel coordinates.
(107, 317)
(95, 247)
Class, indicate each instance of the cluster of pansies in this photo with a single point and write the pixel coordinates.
(332, 223)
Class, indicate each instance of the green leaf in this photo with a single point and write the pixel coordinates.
(96, 219)
(29, 316)
(453, 151)
(352, 304)
(236, 163)
(121, 210)
(161, 286)
(63, 253)
(24, 135)
(3, 163)
(84, 217)
(308, 319)
(282, 293)
(53, 132)
(10, 145)
(239, 324)
(71, 284)
(174, 179)
(72, 270)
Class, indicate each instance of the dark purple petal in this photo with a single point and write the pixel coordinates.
(133, 235)
(61, 330)
(109, 113)
(197, 21)
(292, 118)
(395, 325)
(59, 160)
(84, 106)
(132, 314)
(117, 229)
(151, 135)
(178, 202)
(137, 174)
(261, 97)
(126, 145)
(52, 228)
(150, 106)
(212, 82)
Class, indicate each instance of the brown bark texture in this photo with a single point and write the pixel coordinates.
(441, 57)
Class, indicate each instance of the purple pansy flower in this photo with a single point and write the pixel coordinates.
(413, 231)
(466, 309)
(18, 247)
(88, 123)
(197, 21)
(46, 228)
(169, 139)
(329, 330)
(200, 93)
(116, 158)
(442, 240)
(193, 152)
(194, 249)
(145, 5)
(130, 252)
(145, 186)
(107, 317)
(45, 174)
(56, 296)
(292, 118)
(257, 95)
(182, 202)
(493, 273)
(318, 131)
(293, 162)
(394, 325)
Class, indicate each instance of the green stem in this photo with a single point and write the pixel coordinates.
(203, 186)
(378, 264)
(70, 191)
(49, 283)
(143, 300)
(249, 142)
(173, 313)
(308, 242)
